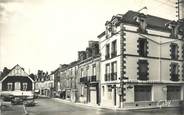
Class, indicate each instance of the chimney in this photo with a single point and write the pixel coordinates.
(95, 48)
(88, 52)
(81, 55)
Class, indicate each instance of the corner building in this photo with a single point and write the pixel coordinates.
(142, 61)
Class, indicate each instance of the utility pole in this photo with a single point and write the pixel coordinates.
(180, 9)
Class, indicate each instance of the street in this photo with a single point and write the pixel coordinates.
(52, 107)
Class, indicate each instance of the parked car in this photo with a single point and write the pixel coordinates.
(7, 96)
(17, 101)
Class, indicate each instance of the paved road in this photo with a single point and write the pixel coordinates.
(52, 107)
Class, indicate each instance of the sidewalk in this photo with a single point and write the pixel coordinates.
(86, 105)
(77, 104)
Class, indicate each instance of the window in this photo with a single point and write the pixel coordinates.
(24, 86)
(109, 92)
(143, 70)
(174, 51)
(107, 55)
(173, 92)
(82, 73)
(93, 77)
(142, 47)
(142, 93)
(17, 86)
(87, 71)
(174, 72)
(9, 86)
(114, 71)
(114, 49)
(108, 30)
(94, 70)
(107, 72)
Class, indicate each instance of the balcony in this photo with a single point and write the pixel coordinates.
(93, 78)
(113, 54)
(107, 77)
(113, 76)
(83, 80)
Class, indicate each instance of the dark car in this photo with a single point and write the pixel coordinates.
(17, 101)
(7, 97)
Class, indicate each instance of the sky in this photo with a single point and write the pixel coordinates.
(42, 34)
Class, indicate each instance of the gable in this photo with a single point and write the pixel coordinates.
(17, 71)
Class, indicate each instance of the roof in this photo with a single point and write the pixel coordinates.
(153, 22)
(20, 73)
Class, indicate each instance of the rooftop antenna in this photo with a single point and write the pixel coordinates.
(142, 9)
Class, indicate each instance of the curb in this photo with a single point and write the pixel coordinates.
(107, 108)
(77, 104)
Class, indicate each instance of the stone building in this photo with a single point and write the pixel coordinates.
(141, 61)
(89, 74)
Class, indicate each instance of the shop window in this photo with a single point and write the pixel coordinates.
(174, 51)
(142, 47)
(143, 70)
(173, 93)
(174, 72)
(142, 93)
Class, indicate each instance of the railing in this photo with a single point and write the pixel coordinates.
(107, 77)
(114, 76)
(83, 79)
(93, 78)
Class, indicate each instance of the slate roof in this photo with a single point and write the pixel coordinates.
(153, 22)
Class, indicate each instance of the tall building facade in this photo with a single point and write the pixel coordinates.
(141, 61)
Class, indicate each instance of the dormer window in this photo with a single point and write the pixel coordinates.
(142, 24)
(142, 47)
(174, 51)
(108, 30)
